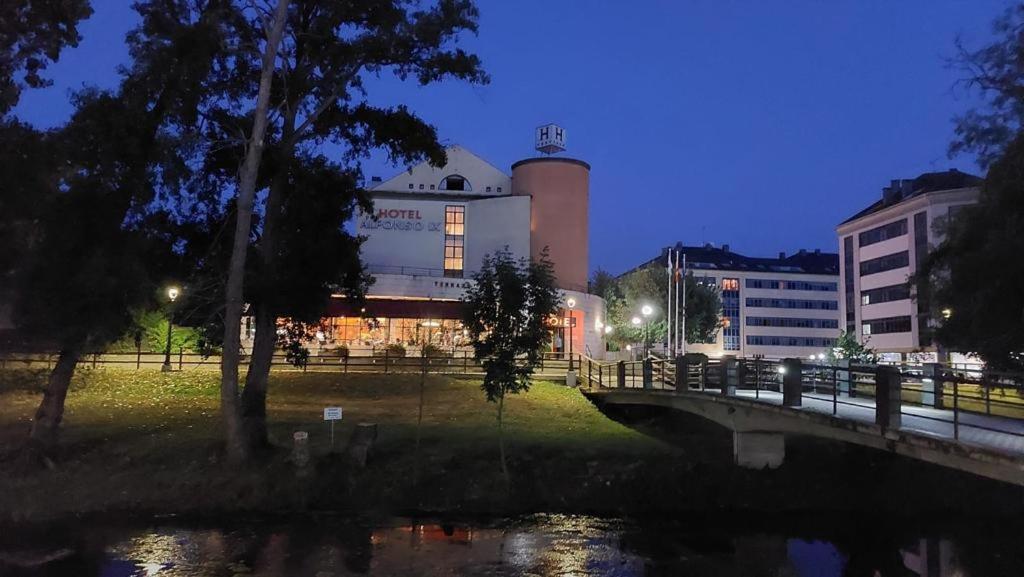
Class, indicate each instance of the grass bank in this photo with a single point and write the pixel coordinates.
(149, 443)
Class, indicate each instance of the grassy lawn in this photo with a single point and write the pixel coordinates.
(149, 441)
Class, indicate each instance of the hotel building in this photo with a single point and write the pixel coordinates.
(431, 228)
(778, 308)
(881, 248)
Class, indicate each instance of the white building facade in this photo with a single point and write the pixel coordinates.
(428, 234)
(784, 307)
(881, 248)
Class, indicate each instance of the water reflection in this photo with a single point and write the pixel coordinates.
(550, 545)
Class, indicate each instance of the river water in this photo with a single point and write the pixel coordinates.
(537, 545)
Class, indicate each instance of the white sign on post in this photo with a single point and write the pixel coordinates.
(332, 414)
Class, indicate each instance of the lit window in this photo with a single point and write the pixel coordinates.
(730, 284)
(454, 240)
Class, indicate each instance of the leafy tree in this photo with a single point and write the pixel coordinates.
(650, 286)
(91, 259)
(996, 73)
(318, 98)
(848, 347)
(32, 34)
(976, 274)
(507, 312)
(602, 283)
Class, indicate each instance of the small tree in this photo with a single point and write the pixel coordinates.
(507, 312)
(650, 286)
(847, 347)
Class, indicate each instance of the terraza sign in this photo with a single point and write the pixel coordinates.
(400, 219)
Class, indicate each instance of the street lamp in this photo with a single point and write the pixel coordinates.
(571, 303)
(646, 310)
(946, 313)
(172, 294)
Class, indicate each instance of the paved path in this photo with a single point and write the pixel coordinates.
(992, 432)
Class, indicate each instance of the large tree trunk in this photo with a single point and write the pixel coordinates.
(236, 446)
(254, 396)
(46, 425)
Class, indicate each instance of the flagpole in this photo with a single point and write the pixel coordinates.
(681, 334)
(668, 315)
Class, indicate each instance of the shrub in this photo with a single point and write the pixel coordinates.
(430, 350)
(392, 350)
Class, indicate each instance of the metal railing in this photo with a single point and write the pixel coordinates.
(981, 406)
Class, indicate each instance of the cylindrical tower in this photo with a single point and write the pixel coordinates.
(560, 190)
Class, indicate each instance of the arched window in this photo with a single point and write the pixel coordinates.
(455, 182)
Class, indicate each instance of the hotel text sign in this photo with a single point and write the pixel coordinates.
(399, 219)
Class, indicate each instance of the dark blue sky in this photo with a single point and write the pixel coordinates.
(757, 124)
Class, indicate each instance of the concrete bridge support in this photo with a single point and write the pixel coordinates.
(757, 450)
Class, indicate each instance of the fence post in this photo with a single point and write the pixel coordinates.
(887, 397)
(94, 358)
(792, 387)
(181, 357)
(385, 361)
(932, 385)
(729, 371)
(590, 373)
(956, 410)
(682, 373)
(620, 369)
(648, 373)
(757, 376)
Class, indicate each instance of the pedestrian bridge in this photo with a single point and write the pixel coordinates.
(971, 421)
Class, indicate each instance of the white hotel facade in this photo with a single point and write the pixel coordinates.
(881, 247)
(784, 307)
(428, 234)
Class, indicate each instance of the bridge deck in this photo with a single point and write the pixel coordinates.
(984, 431)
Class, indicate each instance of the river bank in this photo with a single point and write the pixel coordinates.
(147, 443)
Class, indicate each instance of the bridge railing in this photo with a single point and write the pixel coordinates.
(937, 399)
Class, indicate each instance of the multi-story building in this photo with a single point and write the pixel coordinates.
(429, 232)
(775, 307)
(881, 248)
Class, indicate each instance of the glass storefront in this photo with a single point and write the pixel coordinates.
(357, 332)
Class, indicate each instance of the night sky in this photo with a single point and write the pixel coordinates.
(757, 124)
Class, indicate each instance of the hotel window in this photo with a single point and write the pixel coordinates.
(884, 232)
(886, 326)
(454, 240)
(731, 314)
(885, 263)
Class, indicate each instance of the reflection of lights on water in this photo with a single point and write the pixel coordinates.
(150, 569)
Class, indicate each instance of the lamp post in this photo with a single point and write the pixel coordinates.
(636, 323)
(646, 310)
(571, 303)
(172, 294)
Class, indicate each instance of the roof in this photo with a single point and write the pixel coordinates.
(481, 177)
(709, 257)
(904, 189)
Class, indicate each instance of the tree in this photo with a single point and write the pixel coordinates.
(90, 260)
(507, 312)
(318, 98)
(848, 347)
(974, 278)
(601, 283)
(996, 73)
(650, 286)
(32, 34)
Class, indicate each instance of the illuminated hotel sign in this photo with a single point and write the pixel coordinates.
(402, 219)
